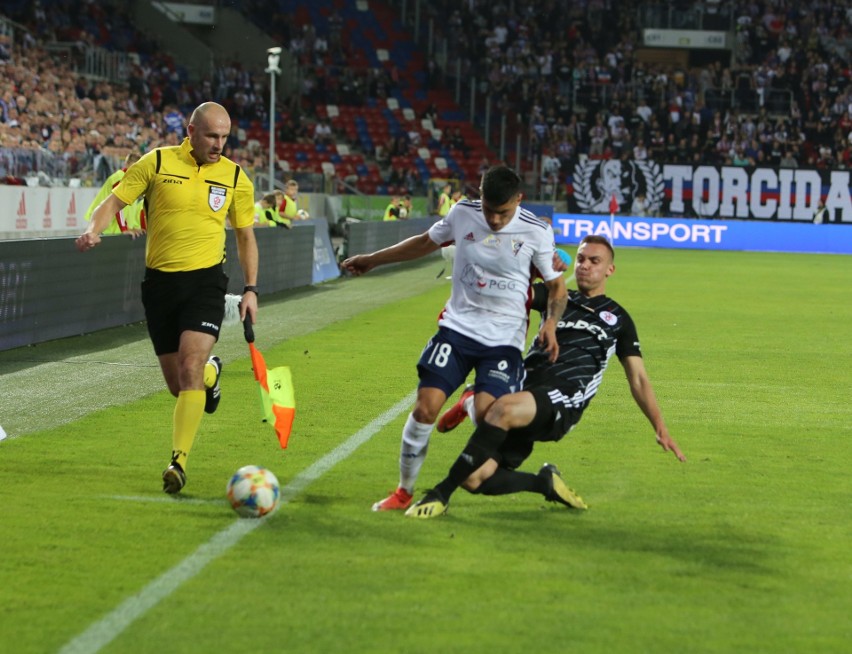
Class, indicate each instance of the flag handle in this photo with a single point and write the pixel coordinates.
(248, 330)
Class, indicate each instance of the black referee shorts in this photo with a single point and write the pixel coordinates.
(553, 419)
(179, 301)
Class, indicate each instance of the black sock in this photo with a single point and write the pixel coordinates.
(482, 446)
(506, 482)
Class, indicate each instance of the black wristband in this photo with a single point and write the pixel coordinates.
(253, 289)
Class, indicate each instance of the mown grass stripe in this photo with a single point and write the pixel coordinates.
(104, 631)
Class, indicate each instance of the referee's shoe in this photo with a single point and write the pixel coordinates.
(557, 490)
(212, 372)
(174, 478)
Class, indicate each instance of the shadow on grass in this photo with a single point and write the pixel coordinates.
(723, 547)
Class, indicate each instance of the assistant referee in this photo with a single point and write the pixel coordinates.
(189, 190)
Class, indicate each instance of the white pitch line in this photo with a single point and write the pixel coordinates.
(104, 631)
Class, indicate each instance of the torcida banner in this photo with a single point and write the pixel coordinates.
(744, 193)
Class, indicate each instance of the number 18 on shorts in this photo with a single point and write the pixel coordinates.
(449, 357)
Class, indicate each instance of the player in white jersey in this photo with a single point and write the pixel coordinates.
(500, 248)
(491, 272)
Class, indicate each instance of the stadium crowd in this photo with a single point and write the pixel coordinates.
(575, 77)
(571, 71)
(53, 118)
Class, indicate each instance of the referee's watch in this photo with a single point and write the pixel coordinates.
(253, 289)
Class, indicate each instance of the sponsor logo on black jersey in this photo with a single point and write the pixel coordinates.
(583, 325)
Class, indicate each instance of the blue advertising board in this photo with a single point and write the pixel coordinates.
(695, 234)
(325, 261)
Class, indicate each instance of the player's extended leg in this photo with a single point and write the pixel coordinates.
(444, 364)
(491, 479)
(414, 446)
(477, 467)
(503, 481)
(480, 453)
(187, 368)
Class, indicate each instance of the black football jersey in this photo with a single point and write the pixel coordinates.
(591, 330)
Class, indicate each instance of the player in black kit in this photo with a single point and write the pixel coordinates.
(592, 329)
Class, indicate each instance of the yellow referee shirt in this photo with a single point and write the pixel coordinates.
(186, 206)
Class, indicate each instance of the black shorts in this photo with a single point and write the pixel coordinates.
(553, 419)
(179, 301)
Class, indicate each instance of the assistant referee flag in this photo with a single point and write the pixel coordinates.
(277, 401)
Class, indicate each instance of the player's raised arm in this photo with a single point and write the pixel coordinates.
(407, 250)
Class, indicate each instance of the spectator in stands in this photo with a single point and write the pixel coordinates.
(598, 137)
(405, 207)
(287, 133)
(457, 141)
(266, 213)
(445, 201)
(322, 133)
(788, 160)
(392, 210)
(484, 165)
(413, 183)
(382, 153)
(821, 214)
(639, 206)
(457, 197)
(5, 48)
(400, 146)
(129, 220)
(288, 205)
(430, 113)
(396, 176)
(174, 120)
(550, 169)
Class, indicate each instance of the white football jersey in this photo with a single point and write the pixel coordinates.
(492, 272)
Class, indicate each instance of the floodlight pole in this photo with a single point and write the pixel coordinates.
(273, 57)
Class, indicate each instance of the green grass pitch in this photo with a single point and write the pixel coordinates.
(744, 548)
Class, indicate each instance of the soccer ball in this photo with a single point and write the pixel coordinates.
(253, 491)
(303, 215)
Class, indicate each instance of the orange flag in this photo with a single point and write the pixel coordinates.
(277, 400)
